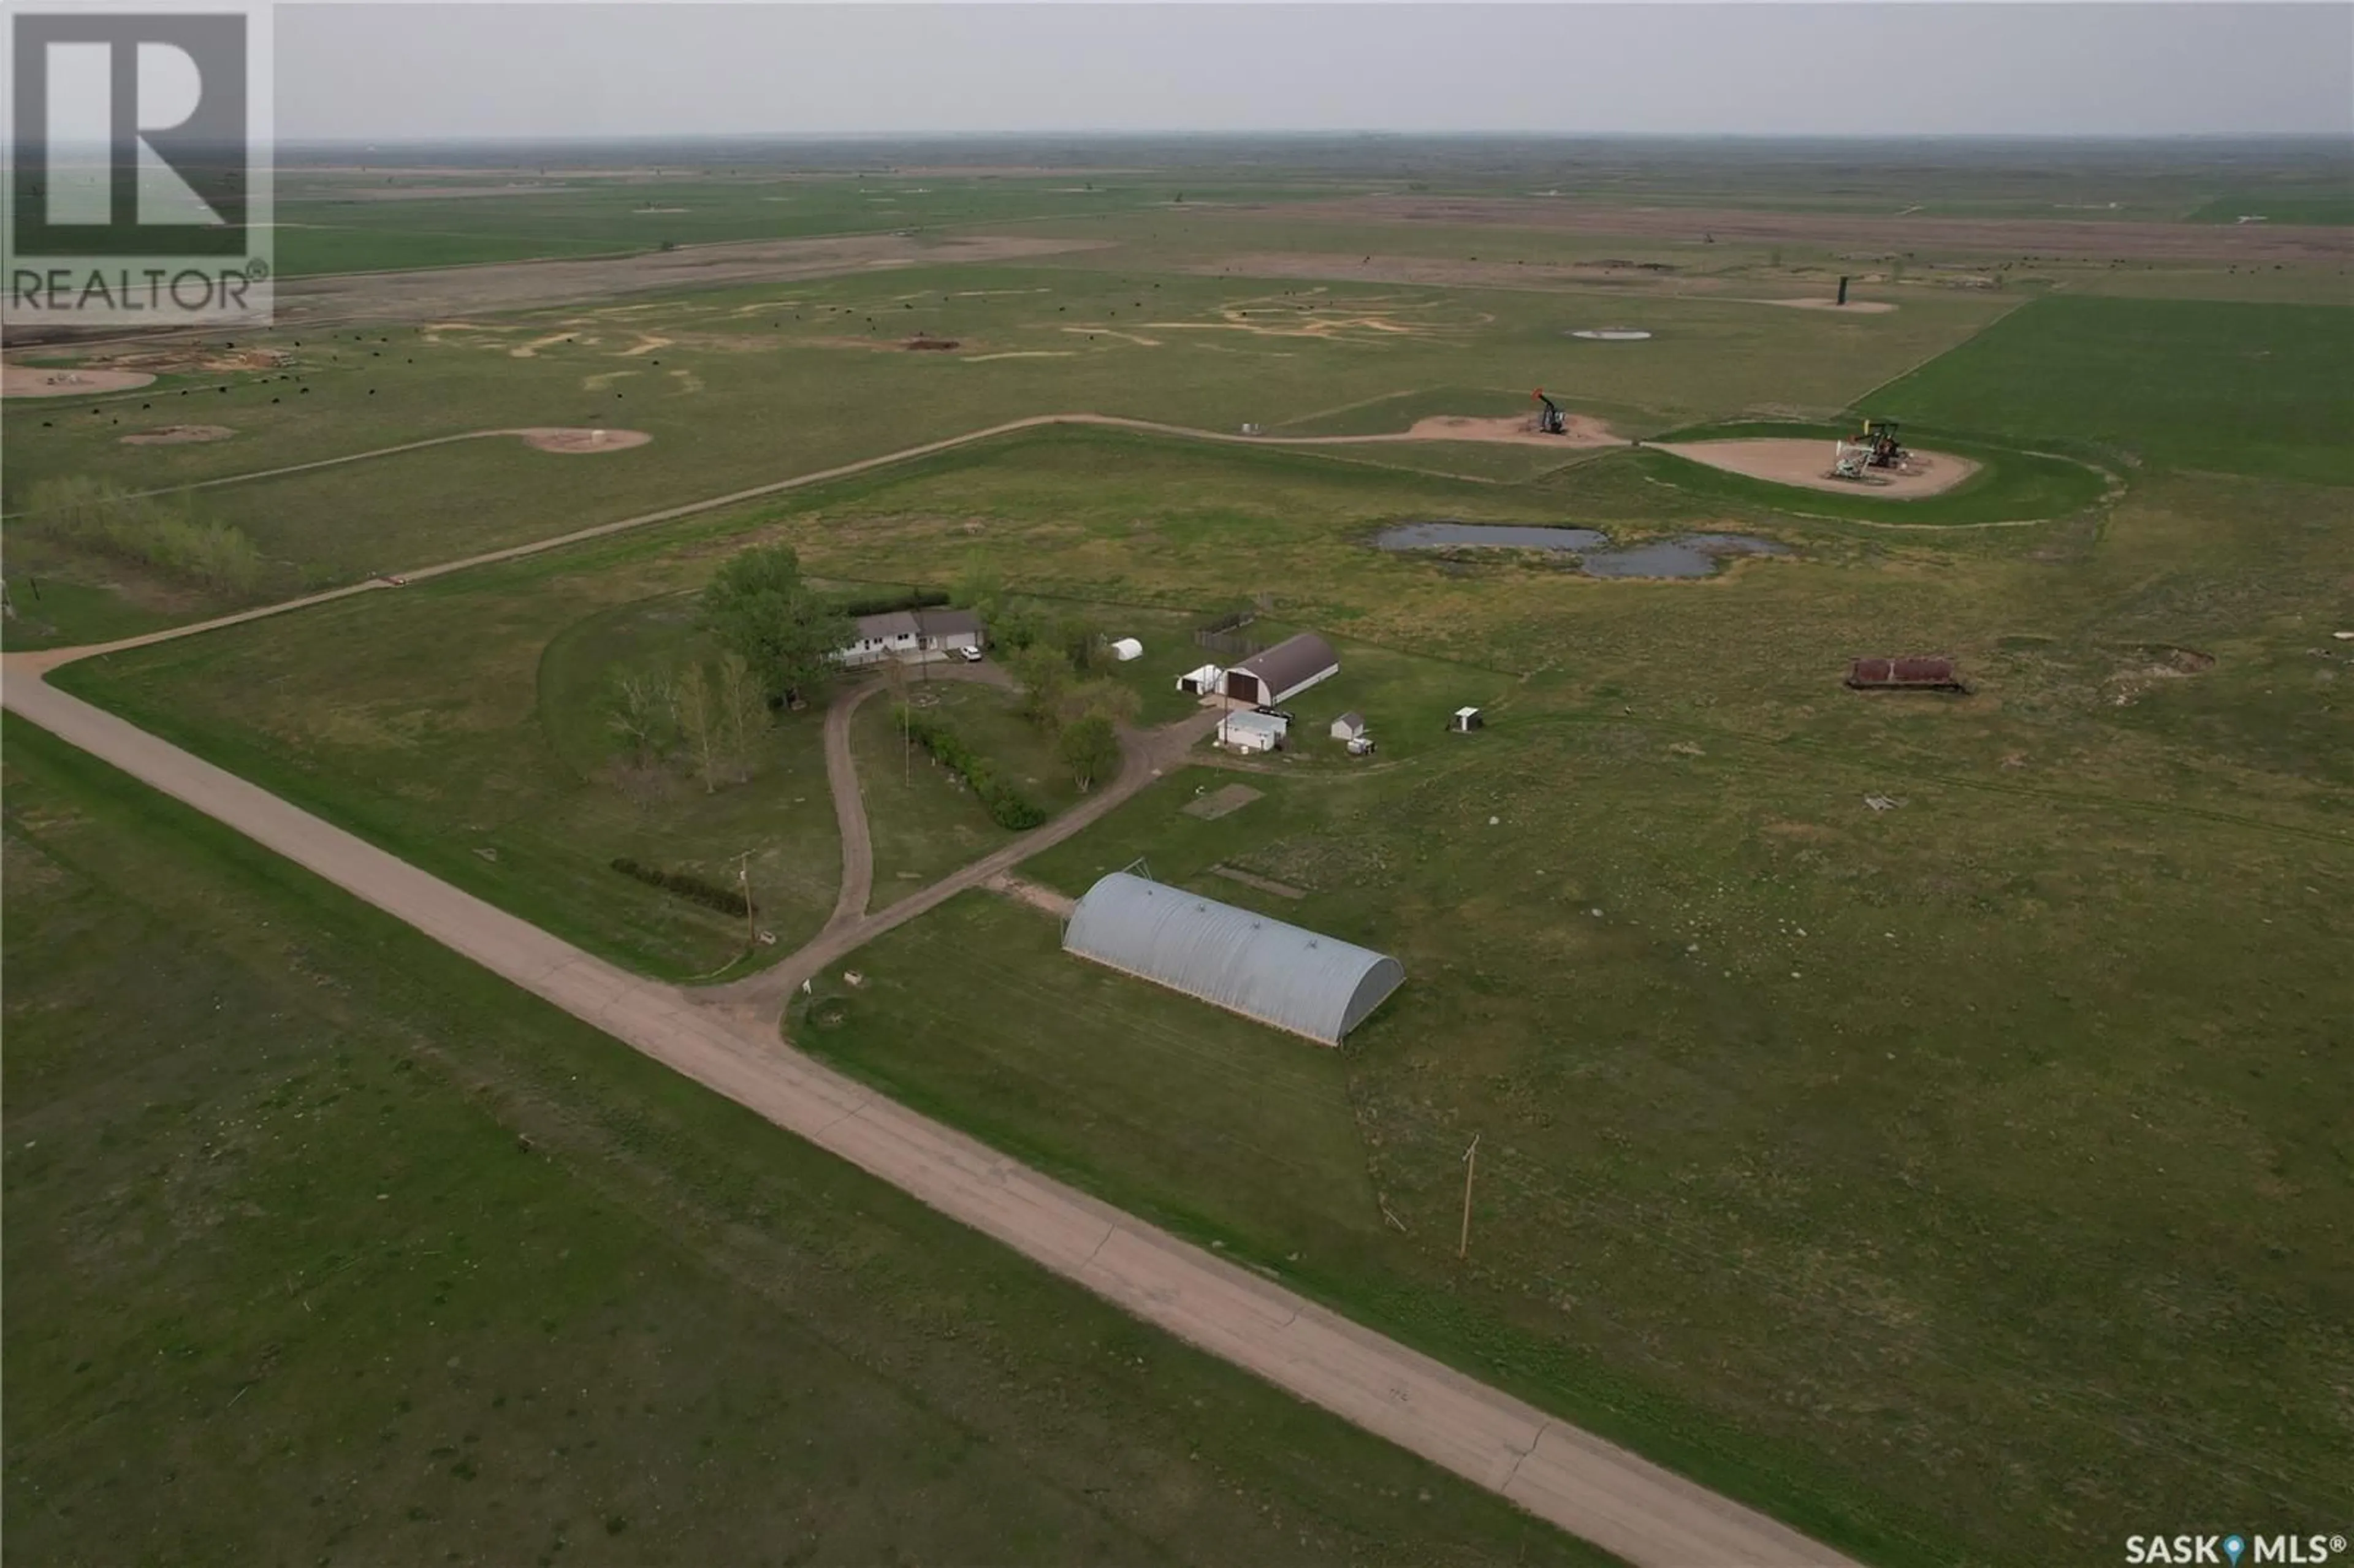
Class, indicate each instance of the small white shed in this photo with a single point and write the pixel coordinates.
(1465, 720)
(1201, 682)
(1246, 729)
(1127, 648)
(1348, 727)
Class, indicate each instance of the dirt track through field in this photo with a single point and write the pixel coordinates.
(1586, 1486)
(1584, 434)
(2085, 239)
(727, 1039)
(448, 294)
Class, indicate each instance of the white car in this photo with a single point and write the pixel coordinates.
(969, 655)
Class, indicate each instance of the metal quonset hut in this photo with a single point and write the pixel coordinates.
(1281, 975)
(1292, 665)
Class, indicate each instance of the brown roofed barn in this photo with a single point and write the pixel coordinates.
(1272, 674)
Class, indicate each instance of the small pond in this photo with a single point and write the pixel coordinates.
(1435, 536)
(1694, 556)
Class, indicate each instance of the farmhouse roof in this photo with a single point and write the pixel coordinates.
(918, 623)
(1279, 974)
(890, 624)
(1290, 661)
(947, 623)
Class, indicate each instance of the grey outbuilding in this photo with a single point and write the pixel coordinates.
(1281, 975)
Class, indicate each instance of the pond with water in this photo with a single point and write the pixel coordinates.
(1692, 555)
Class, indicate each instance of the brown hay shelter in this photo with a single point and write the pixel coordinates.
(1920, 674)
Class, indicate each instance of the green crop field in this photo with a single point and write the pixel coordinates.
(1919, 1115)
(2332, 208)
(324, 1245)
(348, 223)
(2234, 388)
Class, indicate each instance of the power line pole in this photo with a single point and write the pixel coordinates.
(1471, 1166)
(751, 917)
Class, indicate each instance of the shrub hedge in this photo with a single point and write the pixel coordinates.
(884, 603)
(727, 900)
(1007, 806)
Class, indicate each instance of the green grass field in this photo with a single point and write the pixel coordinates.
(1963, 1182)
(484, 752)
(325, 1246)
(2335, 208)
(2234, 389)
(342, 224)
(925, 821)
(1815, 1144)
(747, 386)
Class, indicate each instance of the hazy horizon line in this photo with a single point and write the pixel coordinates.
(1876, 138)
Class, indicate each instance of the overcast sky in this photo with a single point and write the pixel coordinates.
(390, 71)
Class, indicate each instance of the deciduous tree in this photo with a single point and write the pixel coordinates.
(760, 608)
(1090, 749)
(699, 724)
(640, 712)
(741, 710)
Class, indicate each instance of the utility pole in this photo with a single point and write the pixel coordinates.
(1470, 1165)
(751, 916)
(897, 676)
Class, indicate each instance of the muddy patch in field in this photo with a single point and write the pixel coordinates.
(1264, 884)
(178, 435)
(1689, 556)
(1221, 802)
(1849, 307)
(556, 438)
(25, 381)
(1483, 536)
(1694, 556)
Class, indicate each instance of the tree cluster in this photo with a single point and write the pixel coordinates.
(759, 607)
(163, 533)
(711, 716)
(1057, 656)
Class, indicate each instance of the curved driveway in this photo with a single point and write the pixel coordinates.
(727, 1041)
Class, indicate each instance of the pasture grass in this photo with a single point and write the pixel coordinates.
(2302, 208)
(1959, 1180)
(324, 1244)
(463, 723)
(340, 226)
(744, 386)
(925, 821)
(1820, 1145)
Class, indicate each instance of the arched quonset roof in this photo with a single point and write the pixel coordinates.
(1279, 974)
